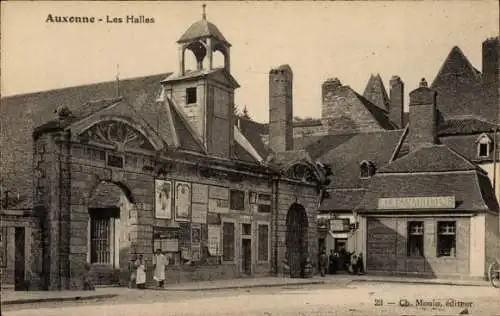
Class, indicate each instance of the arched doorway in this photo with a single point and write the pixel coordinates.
(108, 245)
(296, 239)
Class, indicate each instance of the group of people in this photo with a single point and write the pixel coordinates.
(138, 270)
(352, 262)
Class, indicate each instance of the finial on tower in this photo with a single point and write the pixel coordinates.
(204, 15)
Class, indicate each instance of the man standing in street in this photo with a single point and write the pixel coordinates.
(323, 262)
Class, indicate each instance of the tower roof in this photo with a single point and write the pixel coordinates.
(202, 29)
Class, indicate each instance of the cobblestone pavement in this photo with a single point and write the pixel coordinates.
(356, 299)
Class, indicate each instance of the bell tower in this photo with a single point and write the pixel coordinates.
(206, 94)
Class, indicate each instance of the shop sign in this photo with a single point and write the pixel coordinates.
(431, 202)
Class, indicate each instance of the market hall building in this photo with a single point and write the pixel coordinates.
(163, 166)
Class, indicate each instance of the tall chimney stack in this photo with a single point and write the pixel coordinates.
(423, 117)
(281, 109)
(491, 87)
(396, 105)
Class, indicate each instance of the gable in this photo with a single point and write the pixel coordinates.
(376, 93)
(347, 112)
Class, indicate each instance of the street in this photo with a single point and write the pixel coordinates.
(357, 298)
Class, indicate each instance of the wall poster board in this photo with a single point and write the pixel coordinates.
(163, 199)
(182, 201)
(196, 242)
(214, 240)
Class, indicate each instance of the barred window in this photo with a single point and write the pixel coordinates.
(228, 242)
(264, 242)
(100, 238)
(415, 239)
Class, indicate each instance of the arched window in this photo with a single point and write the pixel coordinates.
(483, 146)
(367, 169)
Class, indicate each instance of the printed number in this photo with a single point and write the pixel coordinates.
(379, 302)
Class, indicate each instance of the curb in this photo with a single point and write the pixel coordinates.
(236, 287)
(58, 299)
(421, 282)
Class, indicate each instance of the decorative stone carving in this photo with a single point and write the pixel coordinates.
(117, 134)
(300, 172)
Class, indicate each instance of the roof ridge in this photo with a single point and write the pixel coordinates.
(82, 85)
(476, 167)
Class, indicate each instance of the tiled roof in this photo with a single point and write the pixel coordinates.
(194, 74)
(379, 114)
(457, 63)
(465, 125)
(342, 200)
(201, 29)
(253, 131)
(350, 150)
(375, 92)
(471, 189)
(436, 158)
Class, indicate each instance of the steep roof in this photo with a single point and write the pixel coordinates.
(471, 189)
(378, 113)
(465, 125)
(202, 29)
(253, 131)
(376, 93)
(436, 158)
(342, 200)
(348, 151)
(456, 63)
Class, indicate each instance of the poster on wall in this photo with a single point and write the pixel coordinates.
(182, 201)
(199, 213)
(195, 233)
(163, 199)
(214, 240)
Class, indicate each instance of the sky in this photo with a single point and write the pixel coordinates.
(319, 40)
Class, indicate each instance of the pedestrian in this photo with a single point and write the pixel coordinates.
(133, 274)
(140, 279)
(361, 266)
(323, 263)
(160, 262)
(333, 262)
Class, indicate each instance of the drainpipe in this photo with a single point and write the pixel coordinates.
(275, 209)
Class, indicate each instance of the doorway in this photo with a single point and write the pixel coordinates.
(20, 260)
(296, 239)
(246, 256)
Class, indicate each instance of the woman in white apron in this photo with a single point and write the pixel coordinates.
(140, 278)
(160, 261)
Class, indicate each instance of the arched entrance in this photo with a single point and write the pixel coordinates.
(296, 239)
(108, 248)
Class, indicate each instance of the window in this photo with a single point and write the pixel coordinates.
(3, 244)
(191, 95)
(228, 242)
(246, 229)
(483, 146)
(446, 239)
(115, 161)
(237, 200)
(415, 239)
(100, 239)
(264, 242)
(367, 169)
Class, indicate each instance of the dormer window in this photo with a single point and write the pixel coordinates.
(367, 169)
(483, 146)
(191, 95)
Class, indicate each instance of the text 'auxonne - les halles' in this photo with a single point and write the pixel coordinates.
(130, 19)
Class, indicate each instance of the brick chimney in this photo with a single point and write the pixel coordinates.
(491, 50)
(328, 90)
(423, 117)
(281, 109)
(396, 105)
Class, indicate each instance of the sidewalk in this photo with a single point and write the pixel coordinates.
(9, 296)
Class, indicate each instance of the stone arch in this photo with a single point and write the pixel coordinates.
(111, 190)
(296, 239)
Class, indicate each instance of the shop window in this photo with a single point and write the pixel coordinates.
(100, 239)
(228, 242)
(3, 244)
(191, 95)
(415, 239)
(263, 242)
(367, 169)
(446, 239)
(237, 200)
(483, 146)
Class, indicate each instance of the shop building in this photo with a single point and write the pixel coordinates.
(431, 213)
